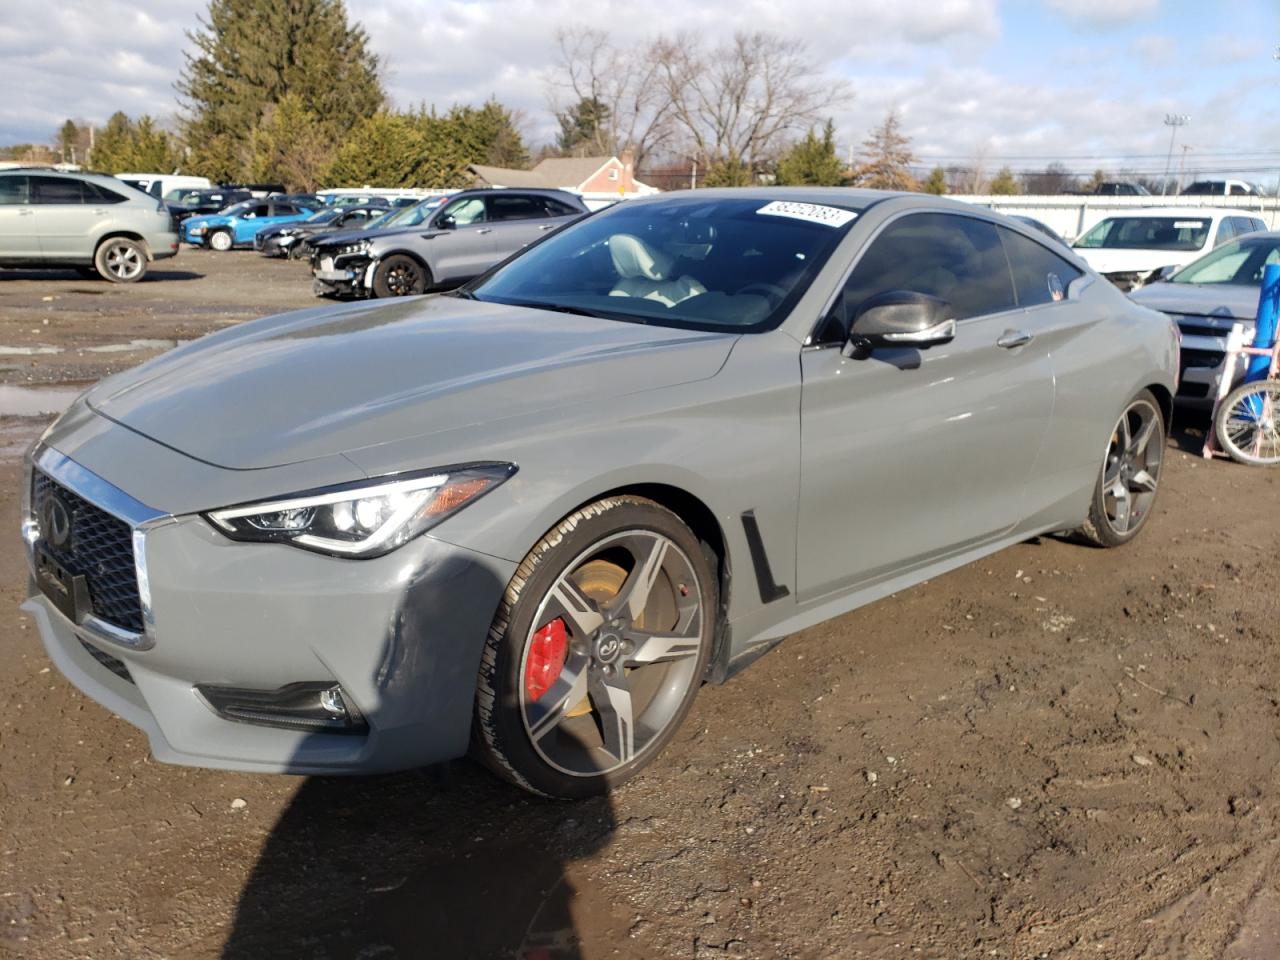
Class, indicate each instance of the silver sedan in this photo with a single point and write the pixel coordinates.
(529, 519)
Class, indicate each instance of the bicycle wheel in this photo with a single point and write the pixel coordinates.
(1247, 426)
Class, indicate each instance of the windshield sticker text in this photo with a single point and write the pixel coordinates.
(812, 212)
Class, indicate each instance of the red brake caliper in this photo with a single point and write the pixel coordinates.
(547, 652)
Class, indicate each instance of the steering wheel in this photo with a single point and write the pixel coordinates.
(771, 291)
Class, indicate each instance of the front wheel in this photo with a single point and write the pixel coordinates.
(399, 276)
(1130, 475)
(597, 649)
(120, 260)
(221, 240)
(1248, 423)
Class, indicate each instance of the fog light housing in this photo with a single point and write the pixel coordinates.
(319, 707)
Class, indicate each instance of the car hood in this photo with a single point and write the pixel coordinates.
(319, 383)
(1133, 261)
(1227, 300)
(351, 236)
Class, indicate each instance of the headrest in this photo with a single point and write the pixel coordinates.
(633, 258)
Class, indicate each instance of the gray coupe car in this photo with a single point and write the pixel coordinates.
(529, 519)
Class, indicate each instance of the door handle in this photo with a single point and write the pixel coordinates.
(548, 226)
(1015, 338)
(484, 230)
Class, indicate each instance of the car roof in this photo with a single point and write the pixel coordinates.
(1180, 212)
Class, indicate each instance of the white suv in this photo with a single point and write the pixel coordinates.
(92, 222)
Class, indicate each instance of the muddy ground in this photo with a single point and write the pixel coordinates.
(1058, 752)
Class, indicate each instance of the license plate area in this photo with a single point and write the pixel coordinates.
(68, 592)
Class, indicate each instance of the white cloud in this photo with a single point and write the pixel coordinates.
(1105, 12)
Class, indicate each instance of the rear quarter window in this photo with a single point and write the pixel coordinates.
(1039, 275)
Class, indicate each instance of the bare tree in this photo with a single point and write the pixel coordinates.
(606, 99)
(888, 158)
(738, 103)
(1054, 179)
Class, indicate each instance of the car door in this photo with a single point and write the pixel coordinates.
(19, 239)
(66, 220)
(518, 219)
(249, 221)
(912, 455)
(460, 240)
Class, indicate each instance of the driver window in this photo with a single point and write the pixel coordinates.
(953, 257)
(466, 211)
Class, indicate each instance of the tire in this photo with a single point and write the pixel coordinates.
(221, 240)
(120, 260)
(299, 250)
(400, 276)
(1125, 492)
(620, 691)
(1246, 423)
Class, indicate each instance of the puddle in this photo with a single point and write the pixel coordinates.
(135, 345)
(35, 401)
(27, 351)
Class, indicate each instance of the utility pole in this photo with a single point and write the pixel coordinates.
(1173, 121)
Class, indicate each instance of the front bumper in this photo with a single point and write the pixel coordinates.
(402, 634)
(343, 276)
(274, 246)
(1204, 365)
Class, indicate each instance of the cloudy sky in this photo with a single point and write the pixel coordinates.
(1018, 81)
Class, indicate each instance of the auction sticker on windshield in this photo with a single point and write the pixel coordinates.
(813, 212)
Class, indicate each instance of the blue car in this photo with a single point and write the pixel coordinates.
(236, 226)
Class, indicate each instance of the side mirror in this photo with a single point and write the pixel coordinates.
(446, 222)
(1166, 272)
(899, 318)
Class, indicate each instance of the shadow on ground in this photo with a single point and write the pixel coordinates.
(152, 275)
(442, 863)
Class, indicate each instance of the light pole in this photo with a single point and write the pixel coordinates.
(1173, 121)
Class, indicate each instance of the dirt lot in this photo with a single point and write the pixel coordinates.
(1059, 752)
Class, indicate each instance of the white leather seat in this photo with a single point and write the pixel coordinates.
(646, 272)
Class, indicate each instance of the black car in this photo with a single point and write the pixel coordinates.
(204, 202)
(292, 239)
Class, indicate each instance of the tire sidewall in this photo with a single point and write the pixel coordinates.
(100, 259)
(380, 287)
(499, 733)
(213, 241)
(1104, 534)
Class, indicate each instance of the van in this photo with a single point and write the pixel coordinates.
(159, 185)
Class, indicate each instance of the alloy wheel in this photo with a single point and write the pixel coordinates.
(612, 654)
(123, 261)
(1131, 471)
(401, 280)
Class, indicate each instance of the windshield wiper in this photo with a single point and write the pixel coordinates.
(559, 308)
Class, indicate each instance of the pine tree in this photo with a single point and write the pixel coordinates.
(488, 135)
(937, 182)
(290, 146)
(729, 172)
(584, 128)
(888, 158)
(1004, 183)
(68, 140)
(249, 54)
(812, 161)
(386, 150)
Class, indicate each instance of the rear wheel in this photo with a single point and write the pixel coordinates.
(1130, 476)
(221, 240)
(597, 650)
(400, 276)
(120, 260)
(1248, 423)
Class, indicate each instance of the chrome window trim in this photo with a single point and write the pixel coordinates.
(140, 517)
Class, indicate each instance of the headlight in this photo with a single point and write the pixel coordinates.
(195, 231)
(363, 519)
(348, 248)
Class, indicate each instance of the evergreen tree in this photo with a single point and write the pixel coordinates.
(488, 135)
(888, 158)
(937, 182)
(386, 150)
(68, 140)
(729, 172)
(1004, 183)
(249, 54)
(135, 146)
(812, 161)
(290, 146)
(584, 128)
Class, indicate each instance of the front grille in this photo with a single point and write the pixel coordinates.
(111, 663)
(1201, 358)
(99, 548)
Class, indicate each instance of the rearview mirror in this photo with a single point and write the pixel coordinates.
(899, 318)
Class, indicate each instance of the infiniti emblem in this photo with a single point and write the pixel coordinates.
(55, 518)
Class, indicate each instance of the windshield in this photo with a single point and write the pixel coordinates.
(1147, 233)
(236, 208)
(178, 194)
(715, 264)
(1240, 261)
(322, 216)
(405, 216)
